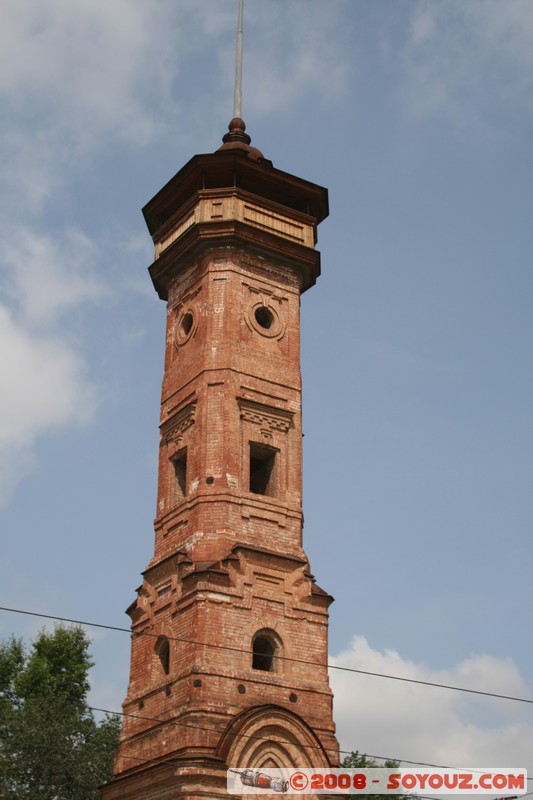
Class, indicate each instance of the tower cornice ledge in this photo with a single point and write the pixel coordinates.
(206, 236)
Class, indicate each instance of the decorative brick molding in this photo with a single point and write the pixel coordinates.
(268, 418)
(173, 429)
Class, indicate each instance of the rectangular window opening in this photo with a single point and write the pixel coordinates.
(262, 469)
(179, 462)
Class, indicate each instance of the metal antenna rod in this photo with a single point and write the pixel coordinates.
(237, 96)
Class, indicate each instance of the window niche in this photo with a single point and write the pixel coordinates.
(263, 469)
(179, 464)
(162, 652)
(264, 648)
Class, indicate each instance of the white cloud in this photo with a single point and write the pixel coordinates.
(89, 61)
(398, 720)
(43, 386)
(466, 61)
(44, 377)
(47, 276)
(74, 76)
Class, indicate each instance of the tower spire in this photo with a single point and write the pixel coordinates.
(237, 95)
(237, 138)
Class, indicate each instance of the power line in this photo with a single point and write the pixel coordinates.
(189, 726)
(262, 739)
(241, 650)
(253, 737)
(284, 658)
(174, 759)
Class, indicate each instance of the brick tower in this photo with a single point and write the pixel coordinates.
(229, 629)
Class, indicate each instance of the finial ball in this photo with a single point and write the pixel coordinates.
(238, 139)
(237, 125)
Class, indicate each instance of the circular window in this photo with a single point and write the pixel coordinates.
(186, 324)
(264, 317)
(185, 327)
(265, 320)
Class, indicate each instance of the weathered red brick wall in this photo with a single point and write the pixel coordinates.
(228, 559)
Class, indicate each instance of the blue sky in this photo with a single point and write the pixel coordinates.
(416, 342)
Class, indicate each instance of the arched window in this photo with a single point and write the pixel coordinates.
(263, 650)
(162, 650)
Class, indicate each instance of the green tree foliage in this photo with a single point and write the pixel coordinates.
(358, 761)
(51, 747)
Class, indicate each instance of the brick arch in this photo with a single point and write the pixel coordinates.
(277, 646)
(271, 736)
(160, 634)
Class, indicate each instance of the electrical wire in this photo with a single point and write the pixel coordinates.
(262, 739)
(173, 759)
(241, 650)
(284, 658)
